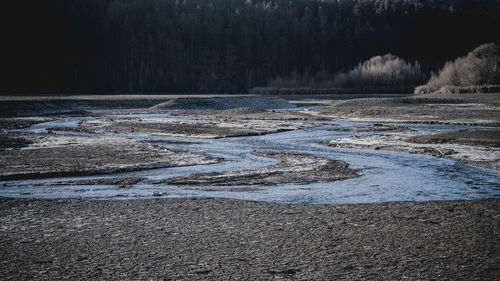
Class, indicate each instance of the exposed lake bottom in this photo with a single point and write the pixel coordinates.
(385, 175)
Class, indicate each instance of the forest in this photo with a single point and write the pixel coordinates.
(226, 46)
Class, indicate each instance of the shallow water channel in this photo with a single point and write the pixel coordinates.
(387, 175)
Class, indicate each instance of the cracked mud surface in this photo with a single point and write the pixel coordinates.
(477, 148)
(226, 239)
(50, 155)
(291, 168)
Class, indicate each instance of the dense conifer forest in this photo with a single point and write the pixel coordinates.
(191, 46)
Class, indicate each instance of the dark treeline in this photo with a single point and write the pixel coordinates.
(226, 45)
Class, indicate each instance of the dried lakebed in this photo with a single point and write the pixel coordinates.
(227, 239)
(238, 172)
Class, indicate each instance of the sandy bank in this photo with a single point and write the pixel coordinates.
(222, 239)
(291, 168)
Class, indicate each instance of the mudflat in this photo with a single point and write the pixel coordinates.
(227, 239)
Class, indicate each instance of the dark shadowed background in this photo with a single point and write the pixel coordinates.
(117, 46)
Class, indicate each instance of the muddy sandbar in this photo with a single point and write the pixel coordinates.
(50, 155)
(451, 145)
(197, 128)
(291, 168)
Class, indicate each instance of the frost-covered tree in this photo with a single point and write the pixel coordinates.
(479, 67)
(386, 70)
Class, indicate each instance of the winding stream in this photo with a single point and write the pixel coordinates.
(387, 175)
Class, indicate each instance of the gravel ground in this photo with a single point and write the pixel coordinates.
(227, 239)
